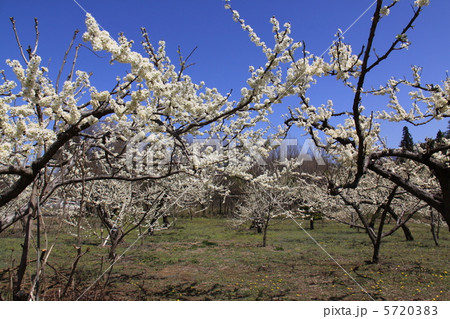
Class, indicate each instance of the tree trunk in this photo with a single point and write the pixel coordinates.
(18, 293)
(438, 227)
(353, 220)
(406, 230)
(259, 229)
(257, 224)
(377, 243)
(266, 225)
(376, 247)
(444, 181)
(264, 236)
(407, 233)
(116, 236)
(440, 202)
(166, 222)
(433, 227)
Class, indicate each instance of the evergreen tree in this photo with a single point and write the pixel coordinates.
(439, 136)
(432, 143)
(407, 142)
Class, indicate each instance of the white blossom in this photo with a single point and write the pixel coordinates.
(421, 3)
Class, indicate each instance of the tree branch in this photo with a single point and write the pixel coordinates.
(17, 39)
(434, 201)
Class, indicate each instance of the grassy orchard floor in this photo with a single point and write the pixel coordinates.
(206, 259)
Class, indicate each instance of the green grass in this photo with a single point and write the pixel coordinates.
(207, 259)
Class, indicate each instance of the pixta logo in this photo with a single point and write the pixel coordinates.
(142, 155)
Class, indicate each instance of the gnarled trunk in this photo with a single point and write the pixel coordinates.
(443, 177)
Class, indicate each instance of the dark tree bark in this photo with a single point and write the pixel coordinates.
(440, 202)
(377, 245)
(266, 226)
(443, 177)
(433, 228)
(166, 222)
(18, 293)
(406, 230)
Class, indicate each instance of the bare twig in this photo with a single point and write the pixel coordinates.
(65, 58)
(18, 40)
(74, 267)
(183, 65)
(69, 78)
(36, 27)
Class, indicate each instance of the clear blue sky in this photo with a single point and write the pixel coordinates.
(224, 50)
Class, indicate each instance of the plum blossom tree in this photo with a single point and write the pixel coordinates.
(155, 104)
(352, 136)
(123, 206)
(273, 194)
(142, 125)
(55, 136)
(368, 207)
